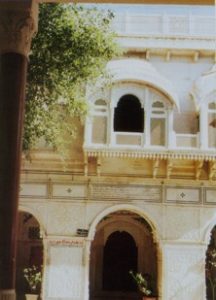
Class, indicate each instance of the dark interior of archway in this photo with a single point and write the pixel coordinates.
(129, 116)
(120, 256)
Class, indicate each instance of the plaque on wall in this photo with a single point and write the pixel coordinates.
(183, 195)
(126, 192)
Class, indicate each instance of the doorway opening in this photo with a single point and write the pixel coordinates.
(119, 257)
(123, 242)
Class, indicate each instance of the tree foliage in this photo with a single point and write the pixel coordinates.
(70, 50)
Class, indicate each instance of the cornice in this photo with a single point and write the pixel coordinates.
(152, 154)
(18, 24)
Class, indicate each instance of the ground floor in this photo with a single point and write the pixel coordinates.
(87, 236)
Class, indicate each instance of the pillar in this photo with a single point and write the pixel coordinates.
(18, 22)
(184, 271)
(65, 268)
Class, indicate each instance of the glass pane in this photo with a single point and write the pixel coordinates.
(212, 130)
(158, 132)
(99, 130)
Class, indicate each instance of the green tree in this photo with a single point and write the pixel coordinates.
(70, 50)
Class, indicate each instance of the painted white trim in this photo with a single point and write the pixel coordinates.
(140, 71)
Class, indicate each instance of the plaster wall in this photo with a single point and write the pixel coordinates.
(181, 230)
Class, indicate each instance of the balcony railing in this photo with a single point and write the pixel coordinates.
(128, 138)
(165, 25)
(186, 140)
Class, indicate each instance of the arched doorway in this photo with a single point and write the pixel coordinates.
(123, 242)
(29, 251)
(119, 257)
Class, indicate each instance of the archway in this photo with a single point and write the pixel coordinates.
(129, 116)
(29, 251)
(123, 241)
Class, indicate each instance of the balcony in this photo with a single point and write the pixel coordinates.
(138, 31)
(136, 24)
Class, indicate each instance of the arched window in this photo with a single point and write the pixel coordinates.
(212, 124)
(129, 116)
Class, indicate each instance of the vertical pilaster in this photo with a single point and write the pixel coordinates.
(17, 24)
(184, 271)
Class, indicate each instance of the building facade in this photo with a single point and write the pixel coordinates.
(139, 191)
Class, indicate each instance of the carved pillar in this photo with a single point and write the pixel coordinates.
(18, 21)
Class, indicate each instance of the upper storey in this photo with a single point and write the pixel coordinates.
(188, 28)
(158, 106)
(139, 115)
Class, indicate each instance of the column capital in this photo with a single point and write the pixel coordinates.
(18, 24)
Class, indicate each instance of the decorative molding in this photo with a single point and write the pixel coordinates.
(33, 190)
(199, 166)
(126, 192)
(212, 170)
(210, 195)
(65, 191)
(182, 195)
(18, 24)
(169, 168)
(155, 168)
(166, 25)
(151, 154)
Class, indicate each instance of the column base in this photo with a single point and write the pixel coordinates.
(7, 295)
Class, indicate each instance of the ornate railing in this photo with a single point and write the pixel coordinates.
(166, 25)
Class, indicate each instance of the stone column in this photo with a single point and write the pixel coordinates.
(18, 22)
